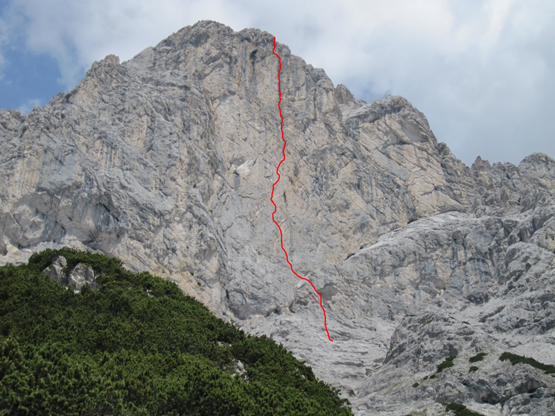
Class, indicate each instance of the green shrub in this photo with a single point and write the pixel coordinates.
(461, 410)
(137, 346)
(473, 368)
(517, 359)
(415, 385)
(448, 362)
(429, 321)
(477, 357)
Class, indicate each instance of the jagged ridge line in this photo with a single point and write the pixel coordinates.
(272, 196)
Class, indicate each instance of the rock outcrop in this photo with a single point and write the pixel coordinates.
(78, 277)
(167, 161)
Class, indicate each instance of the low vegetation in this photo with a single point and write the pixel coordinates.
(448, 362)
(477, 357)
(473, 369)
(461, 410)
(518, 359)
(137, 346)
(429, 321)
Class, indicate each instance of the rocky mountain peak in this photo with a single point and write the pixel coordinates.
(541, 167)
(106, 70)
(345, 97)
(167, 162)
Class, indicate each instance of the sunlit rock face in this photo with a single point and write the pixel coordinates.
(78, 277)
(167, 162)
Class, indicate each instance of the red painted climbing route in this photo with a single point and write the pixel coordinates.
(272, 197)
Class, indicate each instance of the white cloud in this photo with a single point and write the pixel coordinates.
(481, 70)
(78, 33)
(29, 105)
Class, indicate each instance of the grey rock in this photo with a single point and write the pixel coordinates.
(167, 162)
(80, 276)
(55, 270)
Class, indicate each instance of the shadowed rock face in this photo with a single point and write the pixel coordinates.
(167, 161)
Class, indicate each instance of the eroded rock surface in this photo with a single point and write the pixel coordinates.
(78, 277)
(167, 162)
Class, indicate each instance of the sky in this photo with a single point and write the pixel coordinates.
(482, 71)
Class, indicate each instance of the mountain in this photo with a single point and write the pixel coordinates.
(167, 162)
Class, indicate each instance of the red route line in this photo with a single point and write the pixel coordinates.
(272, 197)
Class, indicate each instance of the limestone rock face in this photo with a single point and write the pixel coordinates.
(80, 276)
(55, 271)
(167, 162)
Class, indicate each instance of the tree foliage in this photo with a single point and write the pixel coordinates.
(137, 346)
(517, 359)
(461, 410)
(447, 363)
(478, 357)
